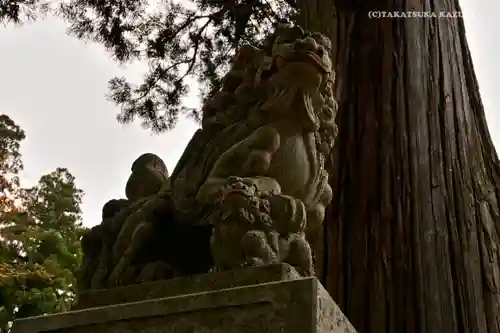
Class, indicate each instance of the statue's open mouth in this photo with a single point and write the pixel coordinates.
(238, 192)
(312, 58)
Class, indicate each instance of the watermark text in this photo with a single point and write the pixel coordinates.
(380, 14)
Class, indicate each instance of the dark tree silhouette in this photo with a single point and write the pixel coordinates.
(177, 40)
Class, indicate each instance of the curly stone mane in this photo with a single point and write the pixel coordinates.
(236, 110)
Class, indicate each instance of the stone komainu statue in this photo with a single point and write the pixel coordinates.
(250, 188)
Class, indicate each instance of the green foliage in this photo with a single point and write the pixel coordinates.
(10, 157)
(179, 39)
(40, 232)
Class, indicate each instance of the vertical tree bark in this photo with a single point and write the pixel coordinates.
(412, 235)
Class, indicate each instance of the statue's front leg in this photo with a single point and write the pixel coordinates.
(139, 238)
(287, 213)
(249, 158)
(315, 217)
(300, 255)
(99, 278)
(257, 250)
(290, 219)
(225, 244)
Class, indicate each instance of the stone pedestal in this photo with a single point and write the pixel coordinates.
(269, 299)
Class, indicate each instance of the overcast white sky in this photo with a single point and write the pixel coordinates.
(54, 85)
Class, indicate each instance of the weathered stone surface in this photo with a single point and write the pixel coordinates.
(251, 187)
(301, 306)
(187, 285)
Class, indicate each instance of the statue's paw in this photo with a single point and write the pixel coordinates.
(305, 272)
(125, 275)
(130, 276)
(157, 271)
(114, 279)
(253, 262)
(219, 269)
(257, 163)
(117, 275)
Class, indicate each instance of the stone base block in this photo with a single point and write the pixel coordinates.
(187, 285)
(298, 306)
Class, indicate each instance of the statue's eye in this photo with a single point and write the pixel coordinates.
(283, 40)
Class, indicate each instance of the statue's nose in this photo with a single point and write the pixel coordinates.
(238, 185)
(306, 44)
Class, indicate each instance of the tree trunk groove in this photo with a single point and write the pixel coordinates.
(412, 235)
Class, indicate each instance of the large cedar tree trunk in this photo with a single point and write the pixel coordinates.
(412, 235)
